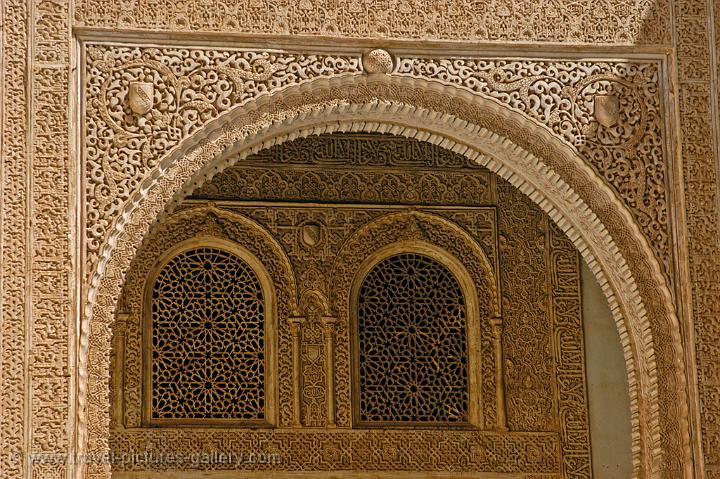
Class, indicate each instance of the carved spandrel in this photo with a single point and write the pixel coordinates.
(181, 90)
(609, 112)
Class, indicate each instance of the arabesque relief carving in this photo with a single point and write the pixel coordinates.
(188, 87)
(325, 246)
(37, 79)
(612, 21)
(193, 86)
(609, 111)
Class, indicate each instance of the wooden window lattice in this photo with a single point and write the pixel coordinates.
(413, 365)
(207, 339)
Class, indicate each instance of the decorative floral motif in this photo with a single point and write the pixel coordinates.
(378, 61)
(189, 88)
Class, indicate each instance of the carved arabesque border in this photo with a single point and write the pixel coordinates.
(698, 140)
(363, 105)
(581, 21)
(193, 86)
(37, 244)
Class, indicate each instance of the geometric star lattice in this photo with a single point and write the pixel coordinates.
(412, 328)
(208, 339)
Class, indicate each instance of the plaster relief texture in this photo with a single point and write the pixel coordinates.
(43, 259)
(533, 271)
(572, 112)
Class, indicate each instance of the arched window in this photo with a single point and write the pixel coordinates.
(206, 339)
(412, 344)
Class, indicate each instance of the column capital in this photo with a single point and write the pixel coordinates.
(295, 322)
(122, 320)
(329, 322)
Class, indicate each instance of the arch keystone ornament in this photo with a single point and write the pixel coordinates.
(378, 61)
(526, 149)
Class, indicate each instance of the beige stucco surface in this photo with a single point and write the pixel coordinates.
(608, 398)
(42, 351)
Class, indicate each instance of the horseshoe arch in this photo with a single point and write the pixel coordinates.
(518, 149)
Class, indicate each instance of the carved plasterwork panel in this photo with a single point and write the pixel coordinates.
(317, 168)
(609, 112)
(37, 35)
(626, 150)
(513, 162)
(313, 357)
(187, 88)
(568, 344)
(699, 141)
(326, 245)
(200, 224)
(359, 450)
(524, 292)
(36, 238)
(612, 21)
(15, 249)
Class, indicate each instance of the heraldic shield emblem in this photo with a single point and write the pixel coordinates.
(140, 96)
(607, 109)
(311, 234)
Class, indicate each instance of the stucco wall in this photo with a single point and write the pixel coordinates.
(608, 398)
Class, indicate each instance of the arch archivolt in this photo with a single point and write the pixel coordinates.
(517, 148)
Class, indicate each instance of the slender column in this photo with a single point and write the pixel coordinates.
(496, 324)
(328, 323)
(122, 319)
(295, 330)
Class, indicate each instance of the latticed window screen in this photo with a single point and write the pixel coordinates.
(208, 339)
(413, 364)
